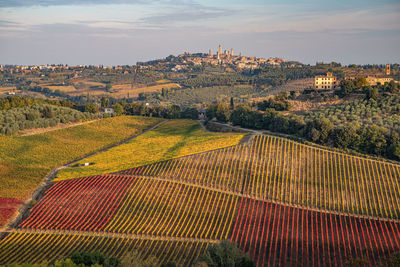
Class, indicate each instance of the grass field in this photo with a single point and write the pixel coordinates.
(122, 90)
(163, 81)
(65, 89)
(172, 139)
(25, 160)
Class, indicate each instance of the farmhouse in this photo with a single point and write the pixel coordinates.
(325, 82)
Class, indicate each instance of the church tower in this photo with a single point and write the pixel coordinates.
(387, 69)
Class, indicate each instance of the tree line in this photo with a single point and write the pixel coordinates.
(368, 139)
(40, 116)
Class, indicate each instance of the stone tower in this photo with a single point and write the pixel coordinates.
(387, 69)
(210, 53)
(231, 52)
(219, 49)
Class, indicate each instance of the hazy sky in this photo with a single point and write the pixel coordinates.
(126, 31)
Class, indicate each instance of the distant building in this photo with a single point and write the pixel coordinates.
(375, 80)
(325, 82)
(109, 110)
(202, 114)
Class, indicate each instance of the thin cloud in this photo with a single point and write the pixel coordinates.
(23, 3)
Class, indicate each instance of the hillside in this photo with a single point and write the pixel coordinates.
(175, 138)
(26, 160)
(284, 202)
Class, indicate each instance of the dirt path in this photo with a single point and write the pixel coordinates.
(58, 127)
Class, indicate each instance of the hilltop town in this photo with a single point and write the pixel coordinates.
(228, 58)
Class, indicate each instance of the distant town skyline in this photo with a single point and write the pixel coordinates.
(123, 32)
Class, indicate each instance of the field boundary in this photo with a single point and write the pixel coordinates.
(59, 126)
(111, 235)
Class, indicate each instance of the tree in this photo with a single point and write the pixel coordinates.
(346, 137)
(371, 92)
(134, 258)
(373, 140)
(118, 109)
(33, 115)
(91, 107)
(394, 145)
(319, 130)
(225, 254)
(222, 113)
(48, 112)
(346, 88)
(190, 113)
(360, 83)
(92, 258)
(175, 112)
(240, 116)
(392, 87)
(105, 101)
(211, 111)
(232, 104)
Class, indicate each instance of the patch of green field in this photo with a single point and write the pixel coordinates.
(172, 139)
(25, 160)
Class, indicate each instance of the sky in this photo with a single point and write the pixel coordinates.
(123, 32)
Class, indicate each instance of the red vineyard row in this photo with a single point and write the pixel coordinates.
(82, 204)
(276, 234)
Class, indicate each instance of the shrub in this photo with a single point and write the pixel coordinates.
(224, 254)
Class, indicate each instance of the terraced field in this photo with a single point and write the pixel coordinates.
(283, 202)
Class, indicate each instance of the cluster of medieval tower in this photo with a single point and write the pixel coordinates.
(219, 53)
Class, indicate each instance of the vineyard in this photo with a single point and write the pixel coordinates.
(37, 247)
(277, 234)
(283, 202)
(134, 205)
(277, 169)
